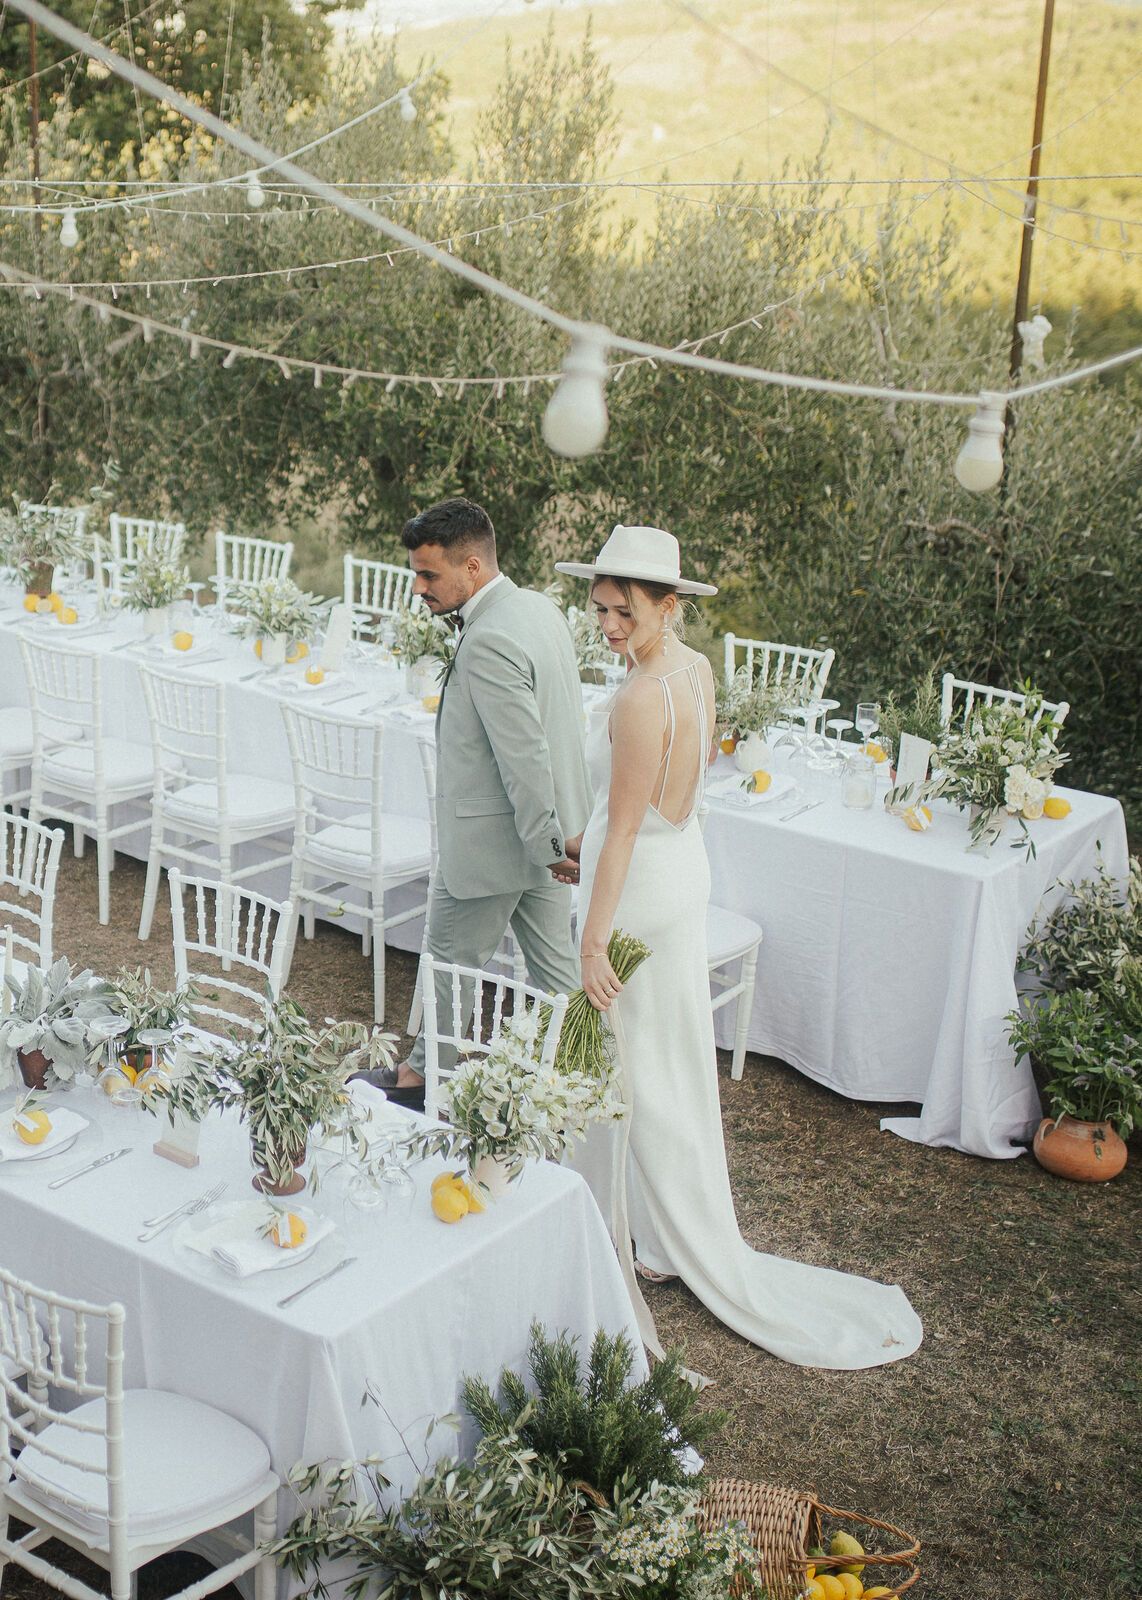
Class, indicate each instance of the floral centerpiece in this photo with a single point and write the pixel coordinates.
(153, 1016)
(37, 539)
(283, 1082)
(746, 708)
(505, 1106)
(425, 645)
(275, 612)
(46, 1037)
(154, 584)
(1001, 764)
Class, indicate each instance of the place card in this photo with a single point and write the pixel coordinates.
(912, 760)
(337, 636)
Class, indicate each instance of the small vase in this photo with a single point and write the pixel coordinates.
(156, 622)
(34, 1065)
(274, 647)
(424, 677)
(266, 1183)
(40, 582)
(1085, 1152)
(494, 1175)
(751, 754)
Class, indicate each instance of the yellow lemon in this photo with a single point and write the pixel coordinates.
(831, 1586)
(853, 1587)
(879, 1590)
(728, 746)
(813, 1590)
(449, 1204)
(289, 1232)
(1055, 806)
(55, 601)
(1032, 813)
(877, 752)
(845, 1545)
(314, 675)
(44, 607)
(918, 818)
(182, 640)
(122, 1077)
(444, 1177)
(68, 614)
(761, 781)
(33, 1126)
(471, 1193)
(31, 601)
(258, 648)
(431, 702)
(298, 653)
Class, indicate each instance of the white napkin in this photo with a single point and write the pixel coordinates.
(731, 791)
(65, 1126)
(235, 1243)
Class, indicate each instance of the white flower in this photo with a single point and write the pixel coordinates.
(1015, 789)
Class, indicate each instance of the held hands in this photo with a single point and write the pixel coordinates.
(567, 870)
(598, 978)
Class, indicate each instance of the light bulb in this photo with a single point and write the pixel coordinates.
(255, 194)
(979, 465)
(407, 106)
(69, 233)
(575, 422)
(1032, 334)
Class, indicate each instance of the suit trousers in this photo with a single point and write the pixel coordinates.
(468, 933)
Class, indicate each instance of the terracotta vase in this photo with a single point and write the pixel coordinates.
(34, 1066)
(264, 1180)
(41, 580)
(1086, 1152)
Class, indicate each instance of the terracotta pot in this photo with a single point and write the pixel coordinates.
(1086, 1152)
(41, 580)
(34, 1066)
(265, 1183)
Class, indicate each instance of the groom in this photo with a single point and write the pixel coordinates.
(511, 783)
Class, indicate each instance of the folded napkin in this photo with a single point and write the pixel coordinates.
(65, 1126)
(235, 1243)
(731, 790)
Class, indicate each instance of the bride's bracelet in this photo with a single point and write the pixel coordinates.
(592, 955)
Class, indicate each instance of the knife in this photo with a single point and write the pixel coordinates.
(809, 805)
(58, 1183)
(346, 1261)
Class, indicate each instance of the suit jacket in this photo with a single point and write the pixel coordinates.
(511, 776)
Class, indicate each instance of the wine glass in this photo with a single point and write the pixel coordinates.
(840, 726)
(867, 720)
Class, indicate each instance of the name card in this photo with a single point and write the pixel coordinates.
(912, 759)
(337, 636)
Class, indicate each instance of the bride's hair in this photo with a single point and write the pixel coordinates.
(656, 592)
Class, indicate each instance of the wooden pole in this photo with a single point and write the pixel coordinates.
(1030, 204)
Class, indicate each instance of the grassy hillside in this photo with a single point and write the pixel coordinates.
(932, 94)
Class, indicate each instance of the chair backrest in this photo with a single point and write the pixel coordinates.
(800, 666)
(337, 772)
(375, 589)
(77, 514)
(477, 1006)
(984, 694)
(65, 694)
(77, 1348)
(188, 732)
(132, 537)
(220, 922)
(241, 559)
(29, 866)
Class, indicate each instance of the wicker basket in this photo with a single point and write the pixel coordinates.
(782, 1524)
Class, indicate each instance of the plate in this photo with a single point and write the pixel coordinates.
(298, 685)
(66, 1128)
(729, 791)
(233, 1228)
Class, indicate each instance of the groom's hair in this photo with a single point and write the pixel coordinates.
(457, 526)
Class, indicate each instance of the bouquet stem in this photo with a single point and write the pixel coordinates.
(585, 1043)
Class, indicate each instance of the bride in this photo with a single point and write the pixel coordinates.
(644, 870)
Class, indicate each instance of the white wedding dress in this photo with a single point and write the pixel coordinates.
(681, 1212)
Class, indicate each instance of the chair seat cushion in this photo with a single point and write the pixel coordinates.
(728, 935)
(406, 846)
(250, 802)
(16, 736)
(183, 1461)
(125, 766)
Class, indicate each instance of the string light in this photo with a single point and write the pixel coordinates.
(69, 233)
(575, 421)
(979, 465)
(255, 194)
(1032, 334)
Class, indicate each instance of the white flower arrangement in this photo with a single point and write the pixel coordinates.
(508, 1105)
(274, 606)
(1002, 764)
(422, 636)
(154, 583)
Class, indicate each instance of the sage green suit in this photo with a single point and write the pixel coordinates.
(511, 788)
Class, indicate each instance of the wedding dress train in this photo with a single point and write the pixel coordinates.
(681, 1211)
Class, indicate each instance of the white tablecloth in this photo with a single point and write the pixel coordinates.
(423, 1304)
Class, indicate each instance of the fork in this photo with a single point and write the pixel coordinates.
(188, 1210)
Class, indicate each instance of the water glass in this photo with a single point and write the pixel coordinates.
(858, 789)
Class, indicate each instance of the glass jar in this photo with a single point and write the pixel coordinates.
(859, 786)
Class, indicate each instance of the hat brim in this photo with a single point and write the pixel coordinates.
(583, 569)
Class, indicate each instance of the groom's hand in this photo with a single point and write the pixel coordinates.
(564, 871)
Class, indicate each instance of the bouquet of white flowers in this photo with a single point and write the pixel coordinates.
(508, 1105)
(1000, 764)
(420, 635)
(154, 583)
(275, 606)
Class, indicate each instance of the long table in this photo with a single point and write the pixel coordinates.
(888, 961)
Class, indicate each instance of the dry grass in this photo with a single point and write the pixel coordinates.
(1008, 1443)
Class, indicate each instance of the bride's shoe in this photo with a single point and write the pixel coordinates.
(650, 1276)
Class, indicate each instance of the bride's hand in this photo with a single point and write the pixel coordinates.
(600, 983)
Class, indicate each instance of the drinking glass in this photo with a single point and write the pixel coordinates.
(867, 720)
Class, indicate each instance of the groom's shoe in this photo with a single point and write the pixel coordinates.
(400, 1094)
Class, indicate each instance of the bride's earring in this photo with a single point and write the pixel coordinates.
(665, 633)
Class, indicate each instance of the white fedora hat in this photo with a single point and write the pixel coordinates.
(648, 555)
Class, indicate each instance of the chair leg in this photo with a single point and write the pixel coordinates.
(265, 1529)
(744, 1012)
(105, 862)
(416, 1010)
(151, 887)
(378, 939)
(78, 840)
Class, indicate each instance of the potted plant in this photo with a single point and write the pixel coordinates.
(917, 714)
(745, 708)
(999, 765)
(1090, 1060)
(282, 1082)
(277, 615)
(152, 1015)
(425, 645)
(1085, 942)
(46, 1037)
(152, 588)
(37, 539)
(505, 1106)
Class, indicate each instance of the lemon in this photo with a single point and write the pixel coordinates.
(727, 746)
(1055, 806)
(918, 818)
(44, 607)
(122, 1077)
(813, 1590)
(68, 614)
(55, 600)
(471, 1193)
(431, 702)
(877, 752)
(289, 1231)
(298, 653)
(879, 1590)
(33, 1126)
(314, 675)
(182, 640)
(444, 1177)
(852, 1586)
(761, 781)
(1032, 813)
(258, 648)
(31, 601)
(449, 1204)
(831, 1587)
(845, 1545)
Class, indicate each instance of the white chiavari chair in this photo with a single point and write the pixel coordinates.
(969, 695)
(240, 558)
(375, 590)
(802, 667)
(218, 924)
(29, 867)
(128, 538)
